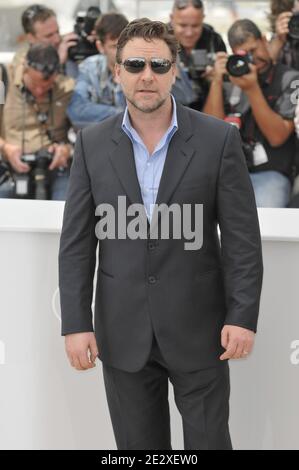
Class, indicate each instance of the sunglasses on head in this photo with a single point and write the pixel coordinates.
(138, 64)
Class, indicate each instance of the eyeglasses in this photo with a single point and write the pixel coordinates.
(138, 64)
(181, 4)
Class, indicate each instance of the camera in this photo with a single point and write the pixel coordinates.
(248, 149)
(4, 172)
(294, 26)
(85, 23)
(200, 59)
(238, 65)
(36, 183)
(235, 119)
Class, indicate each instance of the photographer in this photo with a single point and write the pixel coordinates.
(35, 121)
(284, 19)
(97, 96)
(259, 98)
(199, 43)
(40, 26)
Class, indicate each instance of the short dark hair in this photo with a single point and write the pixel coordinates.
(182, 4)
(110, 24)
(33, 14)
(147, 30)
(44, 58)
(241, 31)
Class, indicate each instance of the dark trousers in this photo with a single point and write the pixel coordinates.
(139, 408)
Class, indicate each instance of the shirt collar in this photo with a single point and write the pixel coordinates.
(131, 132)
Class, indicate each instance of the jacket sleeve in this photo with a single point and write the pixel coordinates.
(77, 252)
(241, 248)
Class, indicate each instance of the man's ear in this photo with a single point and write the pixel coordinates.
(30, 38)
(99, 46)
(117, 73)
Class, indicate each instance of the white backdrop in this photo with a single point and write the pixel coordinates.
(45, 404)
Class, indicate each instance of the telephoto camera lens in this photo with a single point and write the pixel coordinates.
(41, 176)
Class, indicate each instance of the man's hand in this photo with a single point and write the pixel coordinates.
(247, 82)
(219, 69)
(62, 154)
(13, 154)
(67, 41)
(82, 351)
(282, 25)
(237, 341)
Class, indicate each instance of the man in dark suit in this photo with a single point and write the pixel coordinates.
(163, 310)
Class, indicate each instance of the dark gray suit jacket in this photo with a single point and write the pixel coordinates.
(185, 297)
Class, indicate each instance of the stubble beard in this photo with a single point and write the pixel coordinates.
(147, 108)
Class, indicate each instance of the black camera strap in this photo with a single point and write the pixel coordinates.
(42, 117)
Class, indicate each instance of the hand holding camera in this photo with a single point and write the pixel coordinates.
(248, 81)
(13, 154)
(220, 66)
(61, 154)
(68, 41)
(282, 25)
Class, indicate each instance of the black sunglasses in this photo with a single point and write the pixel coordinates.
(138, 64)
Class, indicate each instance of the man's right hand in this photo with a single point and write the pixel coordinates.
(220, 66)
(67, 41)
(81, 349)
(282, 25)
(13, 154)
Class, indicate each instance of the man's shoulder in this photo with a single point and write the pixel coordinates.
(211, 37)
(64, 86)
(286, 74)
(102, 129)
(20, 54)
(93, 62)
(200, 121)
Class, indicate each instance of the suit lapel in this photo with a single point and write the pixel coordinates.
(123, 162)
(179, 155)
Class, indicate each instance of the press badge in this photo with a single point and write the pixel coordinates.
(259, 154)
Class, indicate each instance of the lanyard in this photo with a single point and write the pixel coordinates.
(42, 118)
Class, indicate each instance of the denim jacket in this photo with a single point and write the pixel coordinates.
(96, 96)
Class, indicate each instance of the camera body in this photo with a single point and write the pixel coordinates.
(238, 65)
(248, 149)
(200, 60)
(4, 172)
(294, 26)
(84, 25)
(36, 183)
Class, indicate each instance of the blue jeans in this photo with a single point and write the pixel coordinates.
(271, 188)
(59, 185)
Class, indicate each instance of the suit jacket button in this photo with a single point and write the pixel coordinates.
(152, 280)
(152, 246)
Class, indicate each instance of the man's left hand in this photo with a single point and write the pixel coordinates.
(237, 341)
(62, 153)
